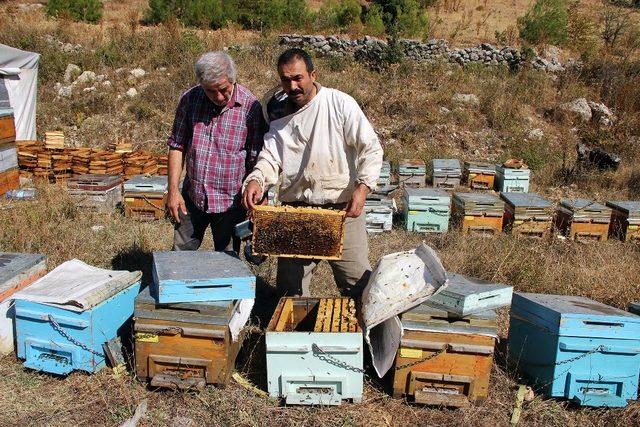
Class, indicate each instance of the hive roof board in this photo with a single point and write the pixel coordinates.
(576, 316)
(446, 166)
(480, 167)
(629, 207)
(478, 203)
(464, 295)
(194, 276)
(16, 267)
(426, 317)
(525, 200)
(146, 184)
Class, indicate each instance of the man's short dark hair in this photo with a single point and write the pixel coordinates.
(294, 54)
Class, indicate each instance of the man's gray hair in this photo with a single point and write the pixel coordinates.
(215, 66)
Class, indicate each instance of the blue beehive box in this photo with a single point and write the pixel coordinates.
(63, 319)
(576, 348)
(427, 210)
(464, 295)
(193, 276)
(510, 180)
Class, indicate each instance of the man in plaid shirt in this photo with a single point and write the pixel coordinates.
(217, 132)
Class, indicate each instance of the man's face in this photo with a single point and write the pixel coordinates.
(297, 82)
(219, 93)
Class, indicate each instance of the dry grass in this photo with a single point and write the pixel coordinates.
(405, 104)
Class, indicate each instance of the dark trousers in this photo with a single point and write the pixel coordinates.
(188, 234)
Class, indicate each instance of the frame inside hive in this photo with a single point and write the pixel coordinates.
(315, 315)
(298, 232)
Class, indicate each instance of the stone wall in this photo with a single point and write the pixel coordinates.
(370, 49)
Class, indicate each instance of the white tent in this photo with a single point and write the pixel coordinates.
(19, 87)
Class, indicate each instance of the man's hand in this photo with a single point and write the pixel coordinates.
(252, 195)
(356, 204)
(175, 203)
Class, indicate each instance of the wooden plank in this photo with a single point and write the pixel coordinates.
(287, 311)
(353, 321)
(344, 318)
(322, 308)
(327, 320)
(335, 322)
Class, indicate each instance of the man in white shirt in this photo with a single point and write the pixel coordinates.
(329, 156)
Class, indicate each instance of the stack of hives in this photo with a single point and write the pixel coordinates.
(120, 146)
(105, 163)
(80, 160)
(139, 163)
(28, 156)
(61, 161)
(54, 140)
(163, 164)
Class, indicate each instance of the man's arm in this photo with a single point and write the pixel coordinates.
(178, 140)
(360, 134)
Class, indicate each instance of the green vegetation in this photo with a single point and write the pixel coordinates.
(545, 22)
(79, 10)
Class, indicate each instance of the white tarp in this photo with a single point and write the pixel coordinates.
(19, 76)
(78, 286)
(399, 282)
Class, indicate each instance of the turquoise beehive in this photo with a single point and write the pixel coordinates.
(427, 210)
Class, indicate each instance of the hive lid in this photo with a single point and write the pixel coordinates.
(525, 200)
(77, 286)
(465, 295)
(426, 193)
(583, 205)
(195, 266)
(93, 182)
(480, 167)
(478, 202)
(146, 184)
(631, 208)
(568, 315)
(427, 318)
(448, 164)
(12, 266)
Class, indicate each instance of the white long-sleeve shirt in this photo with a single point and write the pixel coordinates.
(322, 150)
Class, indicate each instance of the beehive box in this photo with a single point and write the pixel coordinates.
(509, 180)
(8, 156)
(298, 232)
(576, 348)
(447, 173)
(444, 359)
(7, 126)
(625, 220)
(194, 276)
(385, 175)
(527, 214)
(426, 210)
(464, 296)
(412, 173)
(634, 308)
(17, 270)
(61, 324)
(145, 197)
(315, 351)
(184, 345)
(378, 210)
(479, 175)
(583, 220)
(477, 213)
(99, 192)
(9, 180)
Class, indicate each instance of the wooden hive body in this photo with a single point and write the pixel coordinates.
(16, 272)
(7, 126)
(145, 197)
(527, 215)
(460, 371)
(184, 345)
(45, 349)
(298, 232)
(625, 220)
(447, 173)
(315, 351)
(478, 213)
(427, 210)
(576, 348)
(583, 220)
(101, 192)
(193, 276)
(479, 175)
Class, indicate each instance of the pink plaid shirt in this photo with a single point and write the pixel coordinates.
(220, 144)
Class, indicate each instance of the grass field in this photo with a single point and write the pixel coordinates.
(411, 108)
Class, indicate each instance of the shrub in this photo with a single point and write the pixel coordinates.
(339, 14)
(404, 17)
(546, 21)
(373, 20)
(79, 10)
